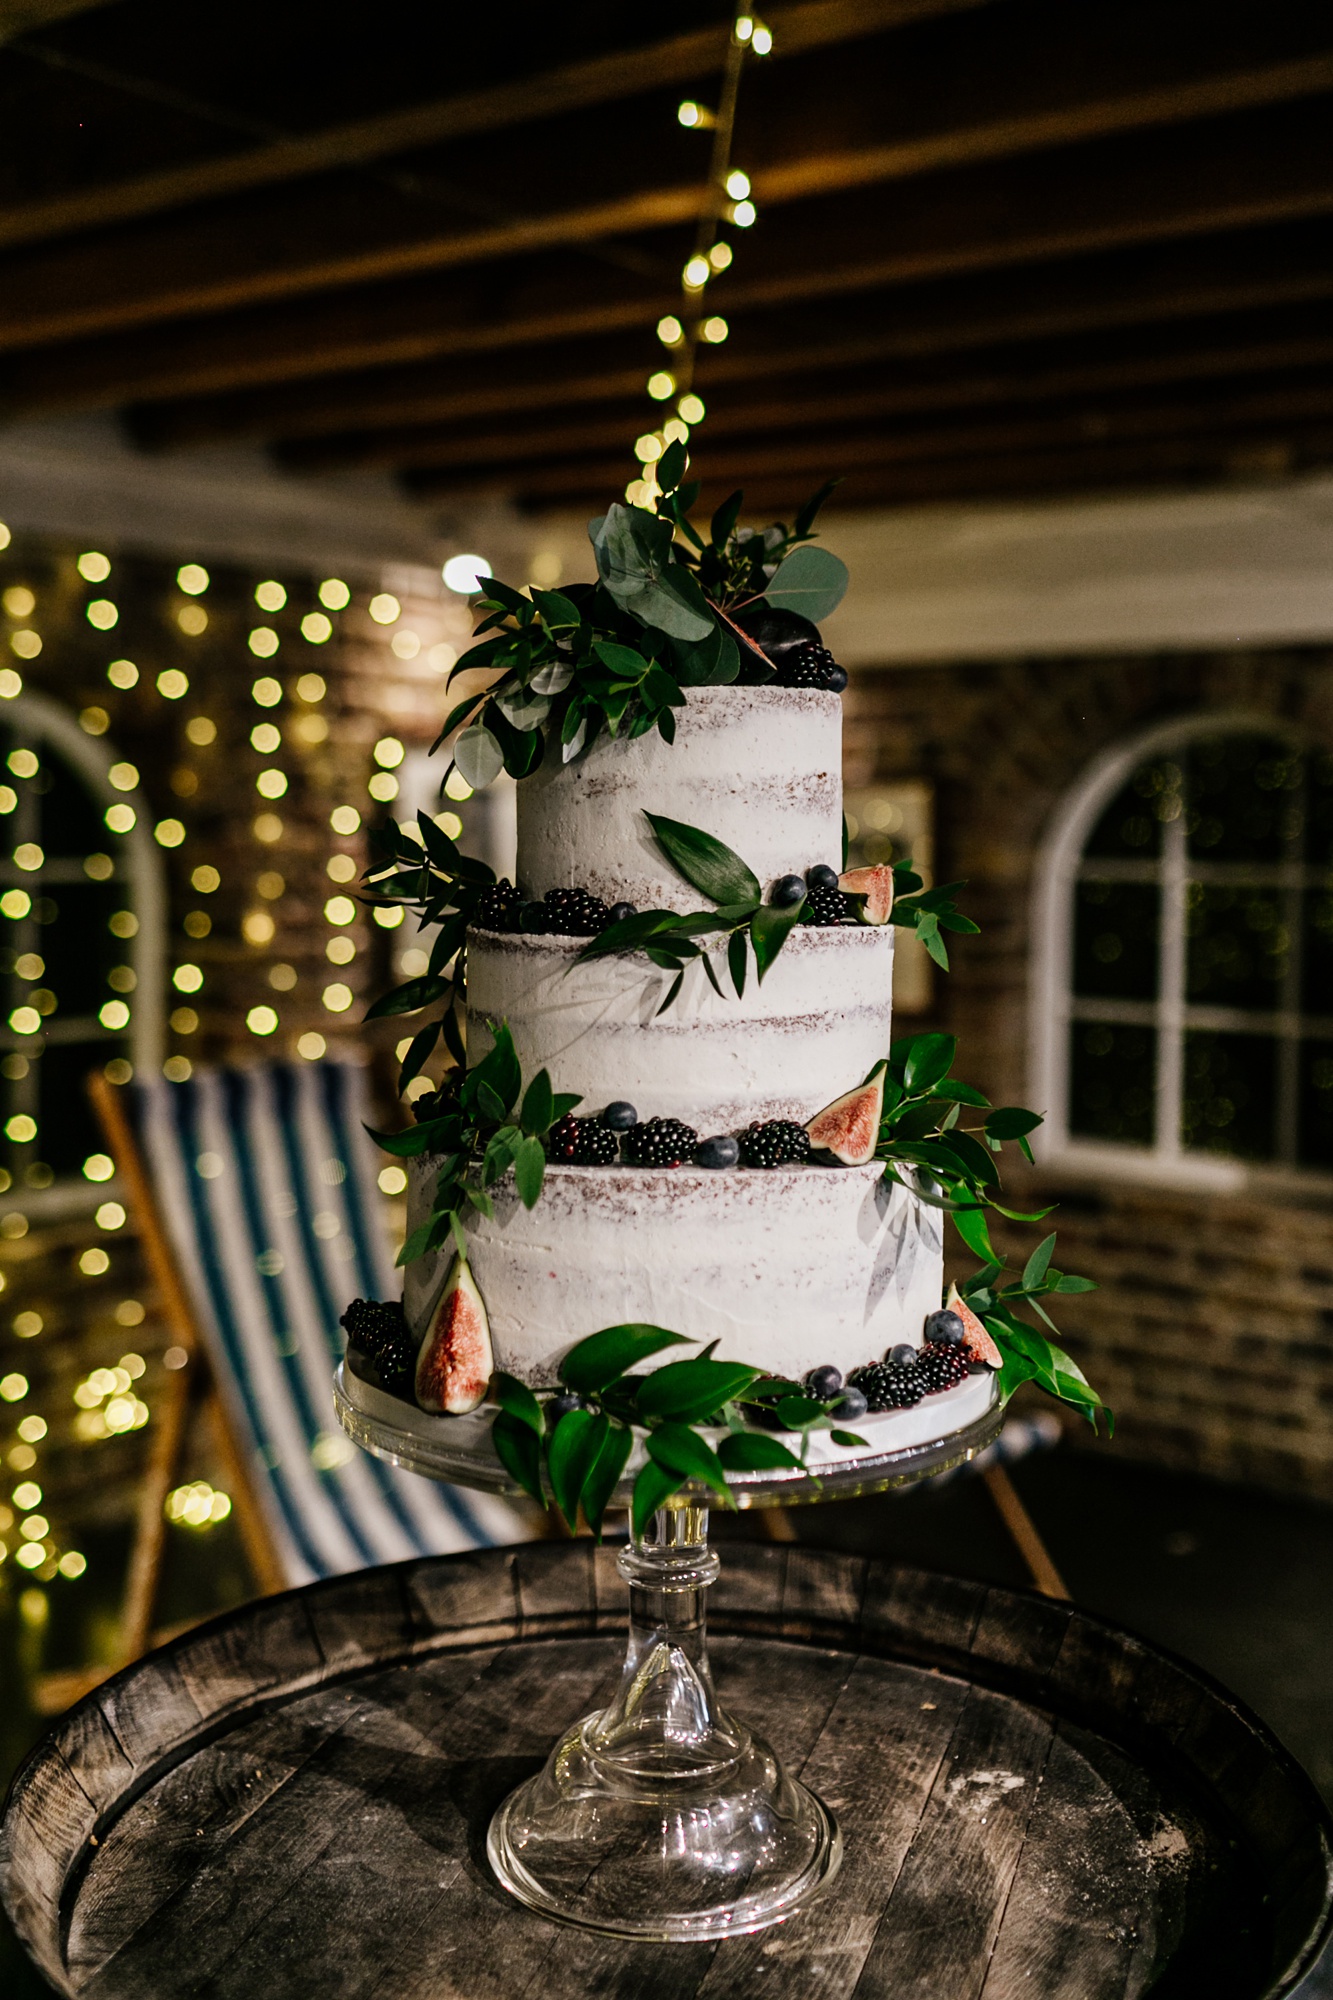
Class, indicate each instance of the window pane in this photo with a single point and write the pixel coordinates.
(1112, 1080)
(77, 945)
(1319, 808)
(1316, 1138)
(1229, 1090)
(1130, 829)
(1238, 946)
(70, 822)
(1115, 940)
(1317, 952)
(1244, 798)
(66, 1128)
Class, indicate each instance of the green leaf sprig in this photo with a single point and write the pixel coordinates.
(926, 1148)
(488, 1123)
(578, 1457)
(617, 656)
(741, 916)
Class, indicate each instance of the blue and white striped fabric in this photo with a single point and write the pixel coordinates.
(267, 1186)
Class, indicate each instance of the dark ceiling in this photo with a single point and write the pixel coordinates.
(1003, 246)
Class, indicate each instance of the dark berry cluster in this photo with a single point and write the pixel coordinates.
(573, 913)
(379, 1344)
(582, 1142)
(825, 907)
(660, 1142)
(942, 1367)
(778, 1143)
(500, 907)
(438, 1103)
(811, 666)
(906, 1374)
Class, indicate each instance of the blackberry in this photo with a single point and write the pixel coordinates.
(369, 1322)
(886, 1387)
(779, 1143)
(662, 1142)
(811, 666)
(379, 1345)
(582, 1142)
(941, 1368)
(500, 907)
(574, 913)
(825, 907)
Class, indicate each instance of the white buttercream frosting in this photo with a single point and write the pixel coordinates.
(758, 768)
(816, 1026)
(787, 1268)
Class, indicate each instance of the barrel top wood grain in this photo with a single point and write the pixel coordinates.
(294, 1799)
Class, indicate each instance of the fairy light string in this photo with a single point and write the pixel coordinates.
(728, 201)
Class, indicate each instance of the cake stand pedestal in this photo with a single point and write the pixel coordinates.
(660, 1816)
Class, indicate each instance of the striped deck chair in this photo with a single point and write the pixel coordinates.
(255, 1195)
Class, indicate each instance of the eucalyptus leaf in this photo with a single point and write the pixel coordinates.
(524, 710)
(811, 581)
(478, 756)
(553, 678)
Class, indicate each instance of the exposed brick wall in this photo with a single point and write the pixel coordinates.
(1212, 1337)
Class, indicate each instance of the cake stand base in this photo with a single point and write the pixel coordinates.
(661, 1816)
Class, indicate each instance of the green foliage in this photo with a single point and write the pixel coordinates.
(579, 1460)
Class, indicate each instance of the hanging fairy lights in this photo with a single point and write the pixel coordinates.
(730, 201)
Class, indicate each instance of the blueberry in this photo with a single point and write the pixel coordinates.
(824, 1383)
(619, 911)
(560, 1406)
(945, 1328)
(835, 679)
(902, 1356)
(720, 1152)
(850, 1405)
(786, 891)
(619, 1117)
(822, 877)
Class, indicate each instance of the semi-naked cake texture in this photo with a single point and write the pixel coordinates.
(787, 1268)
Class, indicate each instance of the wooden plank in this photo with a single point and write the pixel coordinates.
(1080, 1915)
(874, 1764)
(912, 1613)
(937, 1933)
(1250, 165)
(748, 1594)
(150, 1710)
(470, 1597)
(270, 1646)
(821, 1591)
(556, 1587)
(573, 87)
(364, 1618)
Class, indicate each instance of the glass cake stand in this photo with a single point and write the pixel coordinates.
(661, 1816)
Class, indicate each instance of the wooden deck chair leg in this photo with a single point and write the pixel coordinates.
(146, 1559)
(1036, 1556)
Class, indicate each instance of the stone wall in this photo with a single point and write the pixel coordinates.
(1212, 1337)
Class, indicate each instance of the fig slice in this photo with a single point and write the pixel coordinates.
(873, 888)
(977, 1343)
(455, 1362)
(849, 1127)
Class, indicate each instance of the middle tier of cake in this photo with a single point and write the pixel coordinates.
(815, 1028)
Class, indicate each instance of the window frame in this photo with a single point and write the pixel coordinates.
(1059, 863)
(140, 866)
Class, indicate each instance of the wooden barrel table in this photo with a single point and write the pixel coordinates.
(293, 1800)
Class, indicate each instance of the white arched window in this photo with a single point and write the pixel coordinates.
(1183, 1016)
(82, 927)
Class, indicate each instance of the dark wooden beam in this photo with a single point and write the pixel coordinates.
(23, 17)
(1153, 287)
(822, 398)
(1014, 216)
(575, 87)
(351, 231)
(744, 463)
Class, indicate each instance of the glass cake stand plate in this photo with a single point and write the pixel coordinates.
(661, 1816)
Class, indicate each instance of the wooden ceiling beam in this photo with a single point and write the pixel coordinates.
(1140, 288)
(359, 233)
(578, 86)
(1014, 216)
(803, 408)
(846, 451)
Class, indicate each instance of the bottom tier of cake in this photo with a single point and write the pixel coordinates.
(787, 1269)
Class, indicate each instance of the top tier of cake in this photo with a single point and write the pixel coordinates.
(758, 768)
